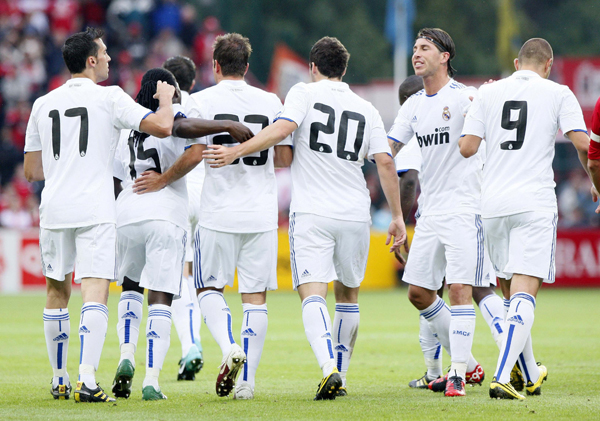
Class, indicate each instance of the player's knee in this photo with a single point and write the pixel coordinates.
(479, 293)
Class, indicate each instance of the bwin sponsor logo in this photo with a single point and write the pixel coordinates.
(440, 137)
(461, 332)
(516, 319)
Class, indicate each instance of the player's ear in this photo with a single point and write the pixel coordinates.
(92, 61)
(516, 64)
(193, 84)
(247, 67)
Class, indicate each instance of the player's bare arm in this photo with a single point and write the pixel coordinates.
(395, 146)
(219, 155)
(388, 179)
(469, 145)
(32, 165)
(160, 123)
(408, 194)
(283, 157)
(151, 181)
(188, 128)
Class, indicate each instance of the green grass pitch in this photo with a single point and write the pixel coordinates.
(386, 357)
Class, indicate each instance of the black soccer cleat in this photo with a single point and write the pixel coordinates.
(85, 394)
(61, 391)
(329, 386)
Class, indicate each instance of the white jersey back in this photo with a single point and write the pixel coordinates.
(519, 117)
(77, 126)
(241, 197)
(336, 131)
(134, 156)
(450, 183)
(195, 178)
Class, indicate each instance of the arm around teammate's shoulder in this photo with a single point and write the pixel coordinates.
(160, 123)
(283, 156)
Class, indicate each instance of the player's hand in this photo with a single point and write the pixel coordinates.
(218, 156)
(240, 132)
(164, 91)
(149, 181)
(398, 254)
(595, 198)
(397, 229)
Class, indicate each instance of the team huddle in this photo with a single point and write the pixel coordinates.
(196, 200)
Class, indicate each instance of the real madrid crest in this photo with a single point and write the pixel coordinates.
(446, 114)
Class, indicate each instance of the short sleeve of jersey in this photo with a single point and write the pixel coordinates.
(378, 142)
(402, 130)
(32, 137)
(127, 114)
(595, 135)
(465, 98)
(570, 116)
(296, 104)
(474, 121)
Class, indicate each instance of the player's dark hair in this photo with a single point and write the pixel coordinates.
(232, 52)
(330, 56)
(443, 41)
(184, 70)
(409, 87)
(145, 96)
(78, 47)
(535, 51)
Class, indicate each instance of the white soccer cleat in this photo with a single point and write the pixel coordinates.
(229, 369)
(243, 391)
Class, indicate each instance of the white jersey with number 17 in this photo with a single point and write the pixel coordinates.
(77, 127)
(336, 131)
(519, 118)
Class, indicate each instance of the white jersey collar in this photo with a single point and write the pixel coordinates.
(232, 82)
(80, 80)
(334, 83)
(527, 73)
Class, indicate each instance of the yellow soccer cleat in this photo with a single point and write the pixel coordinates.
(85, 394)
(329, 386)
(504, 391)
(536, 388)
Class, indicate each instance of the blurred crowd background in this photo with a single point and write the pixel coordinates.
(141, 34)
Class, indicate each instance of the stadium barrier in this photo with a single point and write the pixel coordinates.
(577, 261)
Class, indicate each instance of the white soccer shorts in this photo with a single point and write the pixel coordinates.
(218, 253)
(450, 246)
(524, 243)
(325, 249)
(151, 253)
(194, 195)
(91, 250)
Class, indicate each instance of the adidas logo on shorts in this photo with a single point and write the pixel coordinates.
(49, 268)
(212, 278)
(129, 315)
(61, 337)
(83, 329)
(248, 332)
(305, 273)
(152, 335)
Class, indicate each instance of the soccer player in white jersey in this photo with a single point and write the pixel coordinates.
(519, 117)
(185, 311)
(334, 130)
(448, 237)
(155, 219)
(71, 138)
(238, 215)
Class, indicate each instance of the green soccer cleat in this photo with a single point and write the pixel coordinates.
(149, 393)
(61, 391)
(190, 365)
(516, 378)
(329, 386)
(422, 383)
(536, 388)
(122, 383)
(504, 391)
(85, 394)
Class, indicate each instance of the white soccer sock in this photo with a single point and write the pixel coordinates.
(528, 364)
(92, 332)
(131, 310)
(158, 338)
(57, 329)
(518, 325)
(491, 308)
(196, 314)
(182, 312)
(345, 331)
(438, 318)
(217, 318)
(506, 307)
(462, 329)
(254, 331)
(317, 326)
(432, 350)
